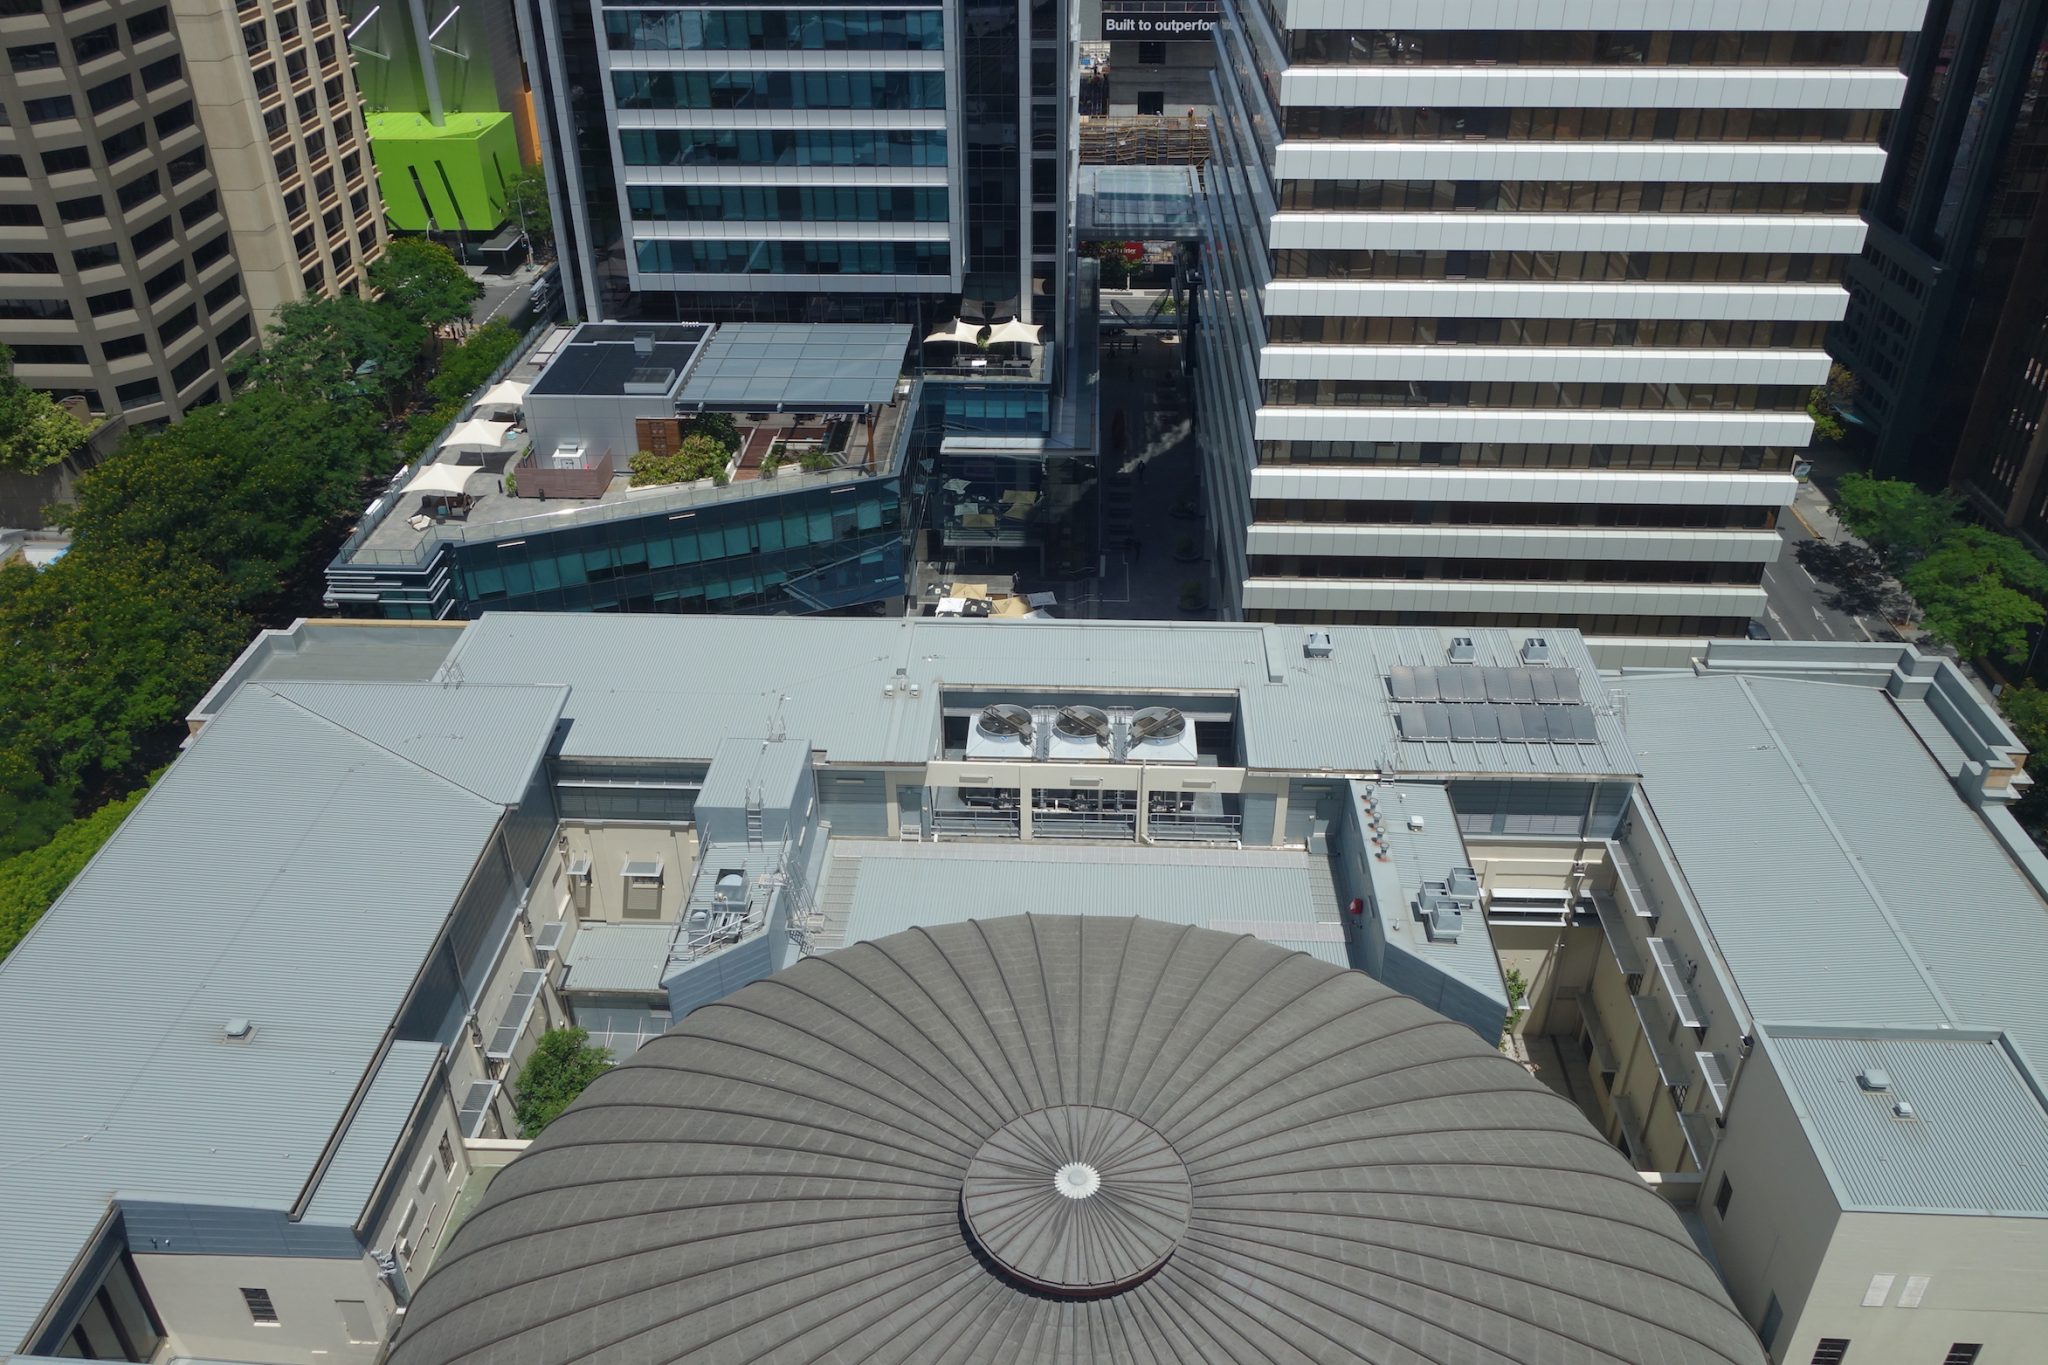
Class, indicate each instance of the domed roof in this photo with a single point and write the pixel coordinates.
(1070, 1140)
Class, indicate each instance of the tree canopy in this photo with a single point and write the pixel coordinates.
(35, 433)
(1980, 593)
(562, 1064)
(338, 348)
(31, 881)
(1901, 521)
(526, 203)
(424, 282)
(698, 457)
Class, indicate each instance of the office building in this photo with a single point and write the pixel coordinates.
(169, 175)
(1949, 225)
(394, 853)
(1514, 320)
(1175, 1148)
(806, 515)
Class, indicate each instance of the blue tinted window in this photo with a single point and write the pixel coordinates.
(794, 258)
(653, 30)
(779, 89)
(783, 147)
(788, 203)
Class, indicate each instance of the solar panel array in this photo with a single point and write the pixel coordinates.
(1473, 704)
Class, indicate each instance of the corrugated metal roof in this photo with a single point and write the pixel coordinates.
(780, 365)
(1974, 1143)
(619, 957)
(285, 870)
(900, 886)
(828, 680)
(1845, 881)
(351, 1178)
(487, 740)
(1428, 854)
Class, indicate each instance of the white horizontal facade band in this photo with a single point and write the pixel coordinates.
(1818, 233)
(894, 177)
(1544, 364)
(1645, 488)
(1535, 426)
(1602, 599)
(1516, 542)
(1691, 16)
(1790, 163)
(789, 120)
(793, 231)
(776, 61)
(1592, 87)
(797, 284)
(1528, 299)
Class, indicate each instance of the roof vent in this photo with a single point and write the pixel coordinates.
(1463, 651)
(1535, 650)
(1873, 1079)
(643, 343)
(1317, 645)
(238, 1030)
(1416, 823)
(1444, 904)
(1904, 1110)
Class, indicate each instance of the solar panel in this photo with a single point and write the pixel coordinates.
(1499, 687)
(1544, 681)
(1401, 682)
(1424, 721)
(1567, 685)
(1461, 684)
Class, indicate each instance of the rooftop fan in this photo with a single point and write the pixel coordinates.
(1005, 720)
(1158, 724)
(1084, 722)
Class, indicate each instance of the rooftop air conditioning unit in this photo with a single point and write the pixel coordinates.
(1463, 651)
(1005, 721)
(1317, 645)
(1157, 725)
(1444, 904)
(568, 455)
(1088, 724)
(1535, 650)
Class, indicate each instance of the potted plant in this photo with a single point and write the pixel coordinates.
(1187, 549)
(815, 462)
(1193, 596)
(772, 461)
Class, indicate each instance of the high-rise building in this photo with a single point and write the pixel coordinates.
(169, 175)
(1968, 153)
(1511, 315)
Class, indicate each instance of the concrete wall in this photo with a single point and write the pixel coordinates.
(205, 1316)
(609, 847)
(1985, 1281)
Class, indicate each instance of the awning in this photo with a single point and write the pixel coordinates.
(962, 331)
(506, 393)
(477, 432)
(443, 478)
(1016, 329)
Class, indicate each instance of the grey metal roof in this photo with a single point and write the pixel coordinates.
(790, 366)
(780, 1178)
(1286, 893)
(829, 680)
(1977, 1139)
(379, 1121)
(624, 958)
(1427, 854)
(285, 870)
(487, 740)
(601, 359)
(1844, 880)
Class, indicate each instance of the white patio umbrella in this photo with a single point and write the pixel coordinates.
(1016, 330)
(506, 393)
(443, 478)
(963, 332)
(477, 431)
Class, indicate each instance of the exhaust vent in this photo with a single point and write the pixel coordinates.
(1463, 651)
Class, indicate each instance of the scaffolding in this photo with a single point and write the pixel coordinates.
(1144, 140)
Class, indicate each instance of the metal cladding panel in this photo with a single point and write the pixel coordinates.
(615, 958)
(285, 871)
(782, 1177)
(829, 680)
(1801, 931)
(901, 887)
(1973, 1143)
(379, 1122)
(487, 740)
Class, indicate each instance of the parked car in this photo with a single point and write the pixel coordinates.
(1758, 631)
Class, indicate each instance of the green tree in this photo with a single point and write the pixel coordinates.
(719, 426)
(526, 203)
(698, 457)
(30, 882)
(1827, 403)
(245, 488)
(1901, 521)
(2026, 710)
(424, 282)
(105, 652)
(464, 368)
(562, 1064)
(31, 810)
(343, 347)
(1979, 592)
(34, 432)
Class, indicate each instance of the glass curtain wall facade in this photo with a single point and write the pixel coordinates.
(739, 162)
(1948, 225)
(1459, 277)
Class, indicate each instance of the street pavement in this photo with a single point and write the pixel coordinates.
(1796, 606)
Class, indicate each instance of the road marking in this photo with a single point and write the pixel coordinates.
(1784, 630)
(1804, 574)
(1824, 623)
(1865, 629)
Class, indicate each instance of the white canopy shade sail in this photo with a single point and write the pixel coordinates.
(506, 393)
(477, 432)
(443, 478)
(1016, 329)
(962, 331)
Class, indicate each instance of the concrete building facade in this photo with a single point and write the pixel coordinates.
(1511, 317)
(169, 175)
